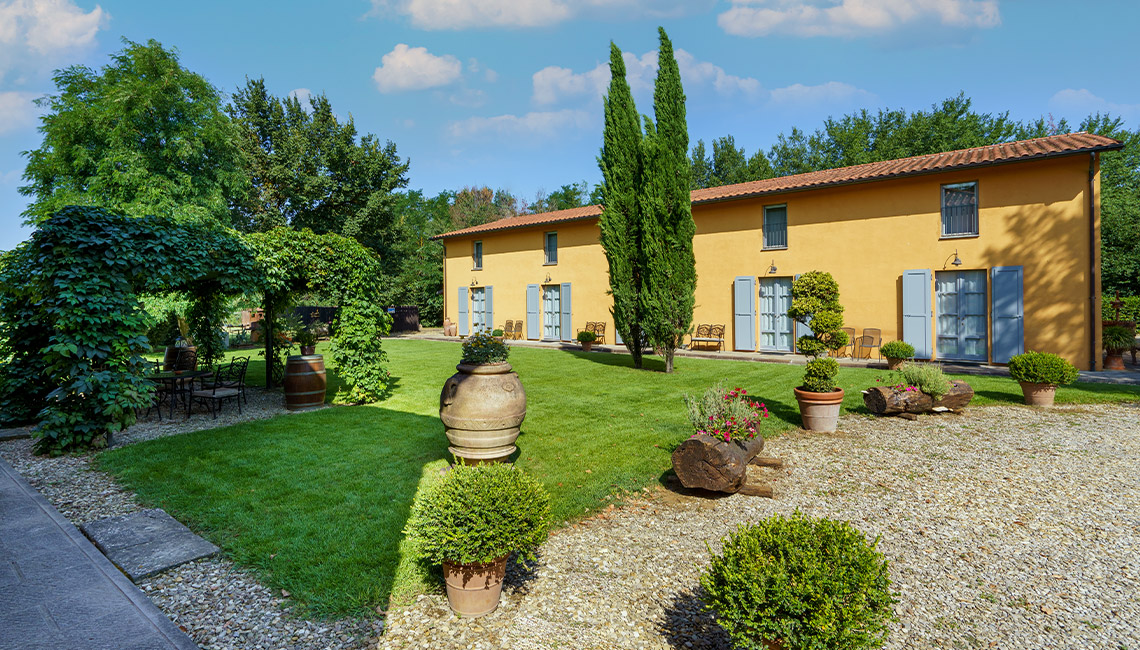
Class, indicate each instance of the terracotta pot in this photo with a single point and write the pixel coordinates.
(305, 382)
(587, 345)
(473, 589)
(893, 364)
(1038, 394)
(482, 407)
(819, 411)
(1114, 360)
(308, 350)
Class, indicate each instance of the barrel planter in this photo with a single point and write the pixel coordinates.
(481, 407)
(305, 381)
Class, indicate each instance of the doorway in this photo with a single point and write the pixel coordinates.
(478, 309)
(775, 326)
(551, 313)
(962, 316)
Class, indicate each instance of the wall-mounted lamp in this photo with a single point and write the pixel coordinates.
(473, 282)
(547, 280)
(772, 268)
(957, 261)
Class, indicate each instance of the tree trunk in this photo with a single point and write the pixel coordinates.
(888, 401)
(710, 463)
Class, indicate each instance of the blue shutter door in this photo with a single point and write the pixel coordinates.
(533, 325)
(1007, 315)
(489, 310)
(464, 320)
(916, 311)
(744, 309)
(567, 323)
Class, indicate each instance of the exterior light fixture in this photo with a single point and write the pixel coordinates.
(772, 268)
(547, 280)
(473, 282)
(957, 261)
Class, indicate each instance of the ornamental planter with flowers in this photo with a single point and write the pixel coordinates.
(917, 388)
(727, 436)
(484, 403)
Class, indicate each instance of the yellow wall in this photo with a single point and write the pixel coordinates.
(1032, 214)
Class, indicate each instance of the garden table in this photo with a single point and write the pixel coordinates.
(177, 382)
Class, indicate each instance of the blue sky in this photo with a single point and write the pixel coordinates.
(507, 93)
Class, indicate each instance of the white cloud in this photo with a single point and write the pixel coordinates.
(462, 14)
(539, 124)
(303, 95)
(11, 177)
(1079, 103)
(468, 97)
(553, 84)
(832, 92)
(851, 17)
(17, 111)
(414, 68)
(32, 31)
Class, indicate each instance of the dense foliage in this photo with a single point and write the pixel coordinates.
(73, 324)
(144, 136)
(926, 377)
(482, 347)
(897, 350)
(1117, 338)
(815, 304)
(1129, 309)
(802, 583)
(478, 514)
(1042, 368)
(727, 414)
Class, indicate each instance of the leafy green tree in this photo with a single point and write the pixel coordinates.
(669, 277)
(620, 223)
(412, 262)
(309, 170)
(474, 206)
(1120, 207)
(142, 136)
(727, 165)
(568, 196)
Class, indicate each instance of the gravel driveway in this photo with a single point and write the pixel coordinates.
(1006, 527)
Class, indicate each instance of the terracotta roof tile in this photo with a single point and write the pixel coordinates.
(1055, 145)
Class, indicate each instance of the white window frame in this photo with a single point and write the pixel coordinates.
(546, 249)
(477, 255)
(942, 224)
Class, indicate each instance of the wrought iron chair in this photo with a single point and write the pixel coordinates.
(872, 338)
(849, 349)
(600, 331)
(218, 391)
(508, 329)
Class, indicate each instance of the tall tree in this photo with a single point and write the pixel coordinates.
(669, 269)
(1120, 207)
(621, 237)
(308, 169)
(142, 136)
(473, 206)
(568, 196)
(411, 261)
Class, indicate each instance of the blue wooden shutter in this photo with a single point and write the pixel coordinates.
(916, 315)
(533, 325)
(464, 319)
(567, 324)
(488, 309)
(744, 311)
(801, 329)
(1007, 315)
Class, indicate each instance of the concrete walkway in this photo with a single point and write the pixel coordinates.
(57, 591)
(1129, 377)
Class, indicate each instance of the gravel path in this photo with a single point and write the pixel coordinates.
(1006, 528)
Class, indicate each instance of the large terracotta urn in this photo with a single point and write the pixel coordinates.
(482, 407)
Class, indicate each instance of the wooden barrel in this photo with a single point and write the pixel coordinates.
(305, 382)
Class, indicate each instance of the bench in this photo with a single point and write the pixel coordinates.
(708, 334)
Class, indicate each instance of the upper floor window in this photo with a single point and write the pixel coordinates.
(776, 226)
(477, 255)
(960, 210)
(551, 247)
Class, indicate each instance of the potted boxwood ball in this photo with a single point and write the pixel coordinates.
(587, 340)
(896, 352)
(815, 304)
(470, 522)
(1040, 373)
(1116, 340)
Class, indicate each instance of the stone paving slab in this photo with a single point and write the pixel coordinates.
(58, 591)
(145, 543)
(15, 434)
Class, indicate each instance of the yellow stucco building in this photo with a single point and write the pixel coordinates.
(971, 255)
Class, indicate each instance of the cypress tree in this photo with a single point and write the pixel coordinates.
(668, 268)
(621, 236)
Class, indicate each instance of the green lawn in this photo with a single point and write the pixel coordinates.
(315, 502)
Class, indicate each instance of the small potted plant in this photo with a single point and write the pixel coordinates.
(1040, 373)
(799, 582)
(498, 334)
(896, 352)
(815, 303)
(483, 403)
(307, 339)
(727, 434)
(1116, 340)
(471, 521)
(587, 340)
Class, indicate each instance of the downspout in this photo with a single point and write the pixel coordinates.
(1093, 351)
(443, 316)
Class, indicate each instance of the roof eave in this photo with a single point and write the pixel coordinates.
(449, 235)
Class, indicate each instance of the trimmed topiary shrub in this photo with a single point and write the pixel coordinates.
(819, 375)
(897, 350)
(478, 514)
(805, 583)
(587, 337)
(483, 348)
(1042, 368)
(815, 303)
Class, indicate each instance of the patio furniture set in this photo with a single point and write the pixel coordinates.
(180, 382)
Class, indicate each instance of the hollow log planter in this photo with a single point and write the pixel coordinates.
(889, 401)
(709, 463)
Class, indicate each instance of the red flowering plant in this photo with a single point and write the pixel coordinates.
(726, 413)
